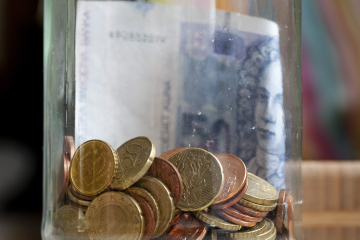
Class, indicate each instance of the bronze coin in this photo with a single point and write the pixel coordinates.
(171, 152)
(233, 200)
(232, 219)
(290, 213)
(149, 217)
(280, 211)
(249, 211)
(235, 177)
(185, 227)
(169, 175)
(237, 214)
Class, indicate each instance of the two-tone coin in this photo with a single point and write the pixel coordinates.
(135, 158)
(202, 176)
(114, 215)
(169, 175)
(163, 198)
(94, 167)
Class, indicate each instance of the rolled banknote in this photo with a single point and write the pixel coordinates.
(182, 76)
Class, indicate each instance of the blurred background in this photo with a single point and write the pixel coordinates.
(331, 118)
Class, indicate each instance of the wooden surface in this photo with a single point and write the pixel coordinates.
(331, 200)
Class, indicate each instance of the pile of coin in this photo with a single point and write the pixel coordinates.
(185, 193)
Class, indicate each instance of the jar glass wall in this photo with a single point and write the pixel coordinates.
(127, 82)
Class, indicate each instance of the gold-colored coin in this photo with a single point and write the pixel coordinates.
(70, 223)
(213, 234)
(149, 198)
(257, 207)
(252, 232)
(272, 236)
(163, 198)
(135, 158)
(94, 167)
(114, 215)
(269, 231)
(202, 176)
(215, 221)
(260, 191)
(76, 200)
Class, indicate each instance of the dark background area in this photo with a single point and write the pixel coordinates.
(21, 136)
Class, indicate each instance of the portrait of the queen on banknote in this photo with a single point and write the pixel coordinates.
(260, 115)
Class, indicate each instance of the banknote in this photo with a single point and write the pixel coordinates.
(182, 76)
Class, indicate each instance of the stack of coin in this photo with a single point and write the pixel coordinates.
(259, 198)
(264, 230)
(128, 193)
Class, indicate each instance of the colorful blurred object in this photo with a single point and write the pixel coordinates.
(331, 79)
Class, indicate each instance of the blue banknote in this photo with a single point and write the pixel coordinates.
(231, 97)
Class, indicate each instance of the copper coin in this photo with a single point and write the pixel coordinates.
(185, 227)
(132, 191)
(149, 217)
(280, 211)
(169, 175)
(64, 179)
(232, 219)
(290, 213)
(233, 200)
(69, 147)
(171, 152)
(235, 177)
(237, 214)
(249, 211)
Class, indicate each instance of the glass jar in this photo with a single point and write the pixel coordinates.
(214, 77)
